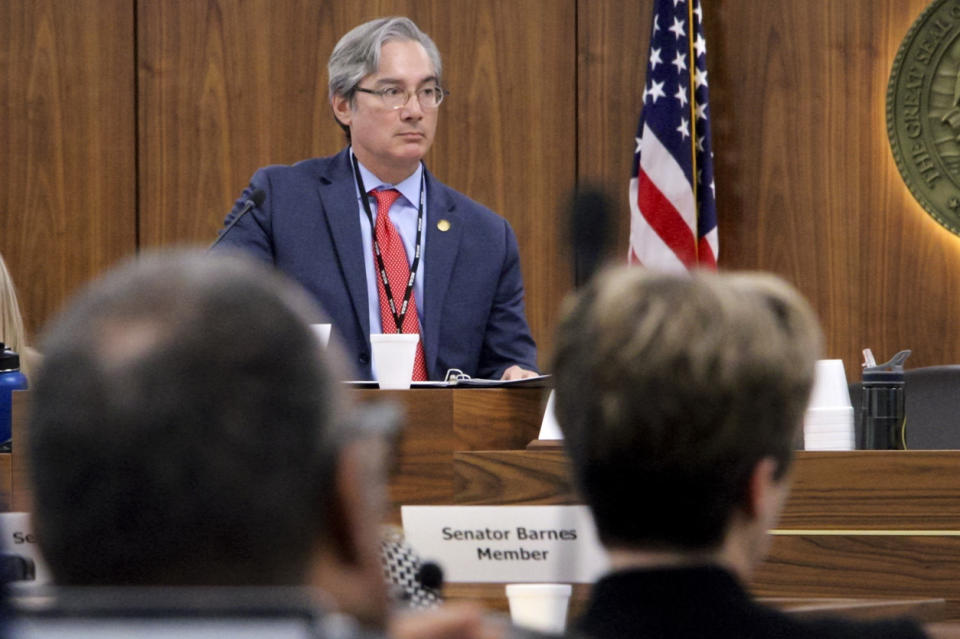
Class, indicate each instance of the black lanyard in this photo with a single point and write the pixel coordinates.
(364, 197)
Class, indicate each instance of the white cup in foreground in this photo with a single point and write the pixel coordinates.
(393, 356)
(322, 332)
(541, 607)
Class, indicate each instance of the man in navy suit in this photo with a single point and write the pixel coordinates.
(316, 220)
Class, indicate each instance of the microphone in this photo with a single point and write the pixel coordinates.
(589, 219)
(256, 199)
(430, 575)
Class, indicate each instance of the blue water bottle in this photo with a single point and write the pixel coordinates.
(11, 379)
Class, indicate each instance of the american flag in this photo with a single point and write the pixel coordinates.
(673, 214)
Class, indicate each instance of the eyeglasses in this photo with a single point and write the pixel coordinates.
(397, 98)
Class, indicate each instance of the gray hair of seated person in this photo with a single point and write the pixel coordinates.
(671, 388)
(180, 431)
(357, 54)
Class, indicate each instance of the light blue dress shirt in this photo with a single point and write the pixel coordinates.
(403, 214)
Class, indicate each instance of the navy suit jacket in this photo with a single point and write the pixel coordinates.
(473, 314)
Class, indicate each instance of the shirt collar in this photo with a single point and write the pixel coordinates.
(409, 188)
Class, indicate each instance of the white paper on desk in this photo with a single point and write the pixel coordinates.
(549, 428)
(504, 544)
(538, 381)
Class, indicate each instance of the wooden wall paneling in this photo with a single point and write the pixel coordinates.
(228, 86)
(67, 205)
(508, 138)
(224, 87)
(806, 182)
(613, 37)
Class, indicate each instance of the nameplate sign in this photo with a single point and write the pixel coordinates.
(504, 544)
(17, 537)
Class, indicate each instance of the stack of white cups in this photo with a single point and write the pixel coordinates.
(828, 422)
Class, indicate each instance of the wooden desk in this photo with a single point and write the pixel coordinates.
(6, 479)
(13, 472)
(923, 610)
(438, 422)
(861, 524)
(493, 597)
(442, 421)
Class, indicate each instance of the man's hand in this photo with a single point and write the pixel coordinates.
(515, 372)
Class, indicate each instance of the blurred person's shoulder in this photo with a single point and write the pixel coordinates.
(516, 632)
(839, 628)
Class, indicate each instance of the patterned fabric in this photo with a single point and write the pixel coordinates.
(401, 569)
(398, 274)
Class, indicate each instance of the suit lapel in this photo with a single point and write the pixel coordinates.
(440, 258)
(338, 194)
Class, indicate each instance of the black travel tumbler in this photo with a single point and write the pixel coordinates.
(881, 404)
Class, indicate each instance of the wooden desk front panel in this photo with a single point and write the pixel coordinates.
(862, 490)
(438, 422)
(423, 473)
(858, 524)
(6, 480)
(19, 483)
(924, 609)
(857, 565)
(875, 490)
(513, 477)
(442, 421)
(873, 524)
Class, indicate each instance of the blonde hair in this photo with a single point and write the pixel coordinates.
(671, 388)
(12, 333)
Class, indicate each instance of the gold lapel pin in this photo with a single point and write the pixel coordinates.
(443, 225)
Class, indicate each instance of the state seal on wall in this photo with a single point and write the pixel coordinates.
(923, 111)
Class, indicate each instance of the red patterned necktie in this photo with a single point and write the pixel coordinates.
(398, 273)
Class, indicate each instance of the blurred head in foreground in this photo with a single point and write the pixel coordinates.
(185, 432)
(680, 398)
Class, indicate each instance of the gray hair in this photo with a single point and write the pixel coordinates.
(357, 54)
(204, 398)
